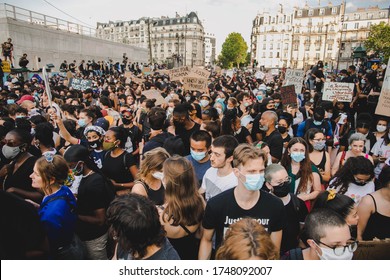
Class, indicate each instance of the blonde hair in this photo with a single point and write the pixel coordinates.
(246, 239)
(184, 204)
(56, 170)
(245, 152)
(152, 161)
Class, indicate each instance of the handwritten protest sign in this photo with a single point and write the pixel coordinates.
(269, 77)
(275, 72)
(146, 71)
(80, 84)
(200, 73)
(343, 92)
(177, 74)
(383, 106)
(289, 97)
(137, 80)
(6, 66)
(154, 94)
(128, 74)
(195, 83)
(295, 77)
(260, 75)
(229, 73)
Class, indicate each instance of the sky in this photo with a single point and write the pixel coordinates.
(219, 17)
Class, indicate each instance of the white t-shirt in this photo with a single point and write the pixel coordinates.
(358, 192)
(382, 150)
(213, 184)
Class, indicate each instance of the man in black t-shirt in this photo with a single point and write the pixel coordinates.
(271, 135)
(245, 200)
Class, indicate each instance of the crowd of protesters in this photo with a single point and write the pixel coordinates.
(229, 173)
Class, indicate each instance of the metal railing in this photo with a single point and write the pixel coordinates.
(20, 14)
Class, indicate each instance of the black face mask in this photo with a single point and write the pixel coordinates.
(360, 183)
(126, 121)
(94, 144)
(282, 129)
(178, 124)
(282, 190)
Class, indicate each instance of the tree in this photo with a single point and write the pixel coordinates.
(379, 39)
(233, 51)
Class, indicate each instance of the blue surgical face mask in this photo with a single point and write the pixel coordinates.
(10, 101)
(259, 97)
(222, 100)
(82, 122)
(254, 182)
(319, 146)
(198, 156)
(297, 156)
(317, 122)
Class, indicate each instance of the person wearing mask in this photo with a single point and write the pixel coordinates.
(231, 125)
(220, 177)
(271, 135)
(136, 229)
(183, 210)
(306, 179)
(355, 178)
(200, 143)
(342, 205)
(149, 179)
(184, 126)
(356, 147)
(134, 134)
(247, 240)
(374, 210)
(381, 152)
(95, 136)
(245, 200)
(382, 128)
(318, 121)
(205, 102)
(316, 141)
(284, 125)
(245, 102)
(43, 139)
(94, 195)
(328, 238)
(277, 182)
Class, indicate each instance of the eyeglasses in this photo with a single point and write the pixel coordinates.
(287, 180)
(339, 250)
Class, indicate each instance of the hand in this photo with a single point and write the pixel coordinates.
(4, 170)
(2, 122)
(351, 104)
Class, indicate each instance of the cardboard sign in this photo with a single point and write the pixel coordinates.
(343, 92)
(80, 84)
(128, 74)
(195, 83)
(176, 74)
(6, 66)
(260, 75)
(154, 94)
(199, 72)
(289, 97)
(269, 77)
(373, 250)
(146, 71)
(69, 75)
(383, 106)
(295, 77)
(275, 72)
(137, 80)
(229, 73)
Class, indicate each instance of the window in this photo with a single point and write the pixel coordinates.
(330, 47)
(356, 25)
(357, 16)
(295, 47)
(311, 12)
(277, 55)
(368, 24)
(307, 47)
(329, 55)
(270, 55)
(322, 11)
(299, 13)
(317, 56)
(334, 10)
(271, 46)
(320, 29)
(344, 26)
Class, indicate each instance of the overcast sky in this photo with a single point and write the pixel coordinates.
(219, 17)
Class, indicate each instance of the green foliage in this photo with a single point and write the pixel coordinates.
(233, 51)
(379, 39)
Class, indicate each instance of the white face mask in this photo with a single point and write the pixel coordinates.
(204, 103)
(328, 254)
(381, 128)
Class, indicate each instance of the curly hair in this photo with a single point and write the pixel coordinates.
(135, 223)
(247, 239)
(352, 167)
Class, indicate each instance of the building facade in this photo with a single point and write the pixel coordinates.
(308, 34)
(209, 49)
(178, 40)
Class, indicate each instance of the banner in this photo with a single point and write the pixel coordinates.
(343, 92)
(260, 75)
(383, 106)
(195, 83)
(275, 72)
(200, 72)
(289, 96)
(176, 74)
(6, 66)
(295, 77)
(154, 94)
(80, 84)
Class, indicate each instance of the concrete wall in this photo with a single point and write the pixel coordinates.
(53, 46)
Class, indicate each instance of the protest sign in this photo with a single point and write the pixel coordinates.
(47, 85)
(146, 71)
(373, 250)
(383, 106)
(343, 92)
(80, 84)
(275, 72)
(137, 80)
(269, 77)
(260, 75)
(176, 74)
(295, 77)
(229, 73)
(289, 97)
(6, 66)
(200, 73)
(69, 75)
(195, 83)
(128, 74)
(154, 94)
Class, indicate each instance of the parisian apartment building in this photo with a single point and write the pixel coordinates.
(300, 38)
(179, 40)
